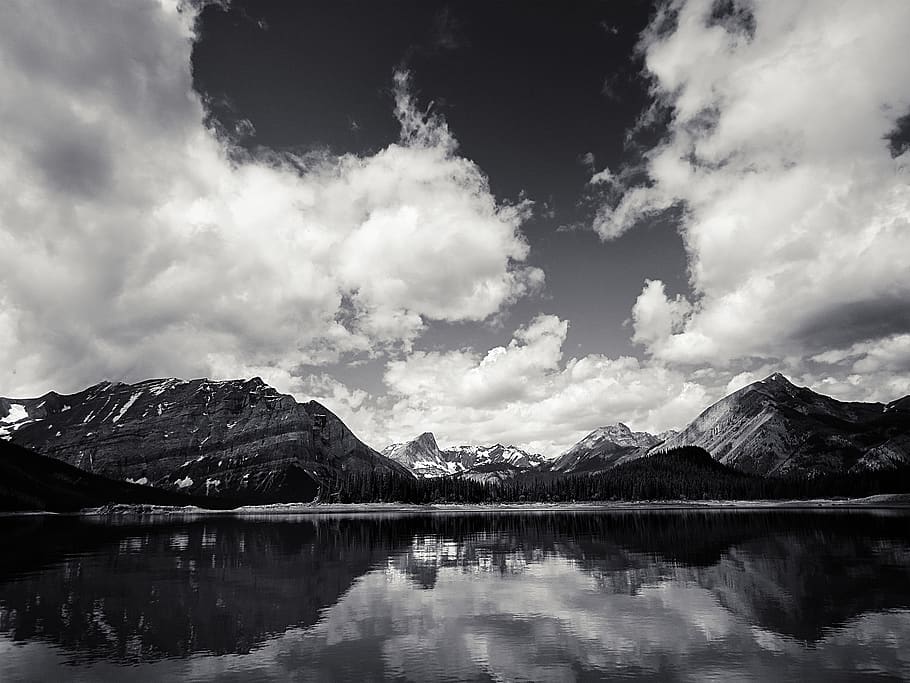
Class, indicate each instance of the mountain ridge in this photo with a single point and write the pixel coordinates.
(243, 437)
(768, 427)
(773, 427)
(195, 436)
(607, 447)
(424, 458)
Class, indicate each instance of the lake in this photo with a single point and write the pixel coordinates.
(668, 595)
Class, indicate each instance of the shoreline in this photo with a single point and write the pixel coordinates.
(877, 502)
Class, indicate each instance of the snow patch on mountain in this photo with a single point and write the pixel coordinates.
(421, 456)
(17, 413)
(126, 406)
(470, 456)
(16, 417)
(425, 459)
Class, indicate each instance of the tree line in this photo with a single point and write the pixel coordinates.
(687, 473)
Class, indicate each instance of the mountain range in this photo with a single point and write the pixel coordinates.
(423, 457)
(770, 427)
(242, 440)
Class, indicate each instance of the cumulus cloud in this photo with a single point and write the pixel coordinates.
(134, 240)
(526, 393)
(137, 240)
(876, 370)
(795, 207)
(655, 317)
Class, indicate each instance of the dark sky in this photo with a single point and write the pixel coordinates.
(528, 90)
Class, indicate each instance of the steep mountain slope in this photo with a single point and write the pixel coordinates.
(423, 457)
(775, 427)
(29, 481)
(607, 447)
(197, 436)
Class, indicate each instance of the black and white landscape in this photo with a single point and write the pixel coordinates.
(243, 442)
(422, 340)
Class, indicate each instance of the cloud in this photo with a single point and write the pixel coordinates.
(136, 241)
(891, 354)
(654, 316)
(525, 393)
(876, 370)
(795, 208)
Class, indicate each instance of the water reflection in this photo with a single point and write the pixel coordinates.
(676, 595)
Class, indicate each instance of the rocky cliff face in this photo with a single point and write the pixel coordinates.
(607, 447)
(775, 427)
(196, 436)
(421, 456)
(424, 458)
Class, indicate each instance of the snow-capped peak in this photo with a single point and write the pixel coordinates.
(423, 456)
(617, 433)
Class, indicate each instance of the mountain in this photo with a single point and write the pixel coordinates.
(29, 481)
(494, 464)
(607, 447)
(472, 457)
(774, 427)
(423, 457)
(232, 438)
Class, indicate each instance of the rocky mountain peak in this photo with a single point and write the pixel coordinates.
(424, 458)
(619, 434)
(777, 381)
(420, 455)
(619, 428)
(427, 440)
(774, 427)
(606, 447)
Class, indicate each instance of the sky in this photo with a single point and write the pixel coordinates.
(500, 222)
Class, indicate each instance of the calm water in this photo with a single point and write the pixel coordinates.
(571, 596)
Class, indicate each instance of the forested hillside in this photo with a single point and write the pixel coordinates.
(687, 473)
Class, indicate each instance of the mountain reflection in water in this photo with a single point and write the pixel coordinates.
(539, 596)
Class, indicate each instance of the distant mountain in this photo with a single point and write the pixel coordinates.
(607, 447)
(472, 457)
(29, 481)
(423, 457)
(495, 464)
(231, 438)
(774, 427)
